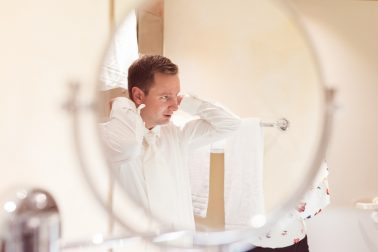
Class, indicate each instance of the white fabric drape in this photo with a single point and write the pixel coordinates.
(122, 52)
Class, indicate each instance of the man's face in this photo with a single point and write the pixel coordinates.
(162, 100)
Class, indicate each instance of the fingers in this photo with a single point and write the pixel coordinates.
(179, 99)
(140, 107)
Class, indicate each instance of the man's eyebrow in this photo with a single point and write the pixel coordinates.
(167, 93)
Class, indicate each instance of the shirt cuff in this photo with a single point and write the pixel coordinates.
(190, 104)
(123, 103)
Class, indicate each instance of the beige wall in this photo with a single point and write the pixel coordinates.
(151, 27)
(45, 45)
(257, 63)
(345, 35)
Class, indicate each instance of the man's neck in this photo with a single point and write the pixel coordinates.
(149, 126)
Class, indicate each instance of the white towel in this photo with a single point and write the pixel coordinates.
(199, 168)
(122, 52)
(243, 192)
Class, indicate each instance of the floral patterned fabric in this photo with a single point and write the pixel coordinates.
(292, 229)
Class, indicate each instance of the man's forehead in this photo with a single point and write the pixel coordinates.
(166, 83)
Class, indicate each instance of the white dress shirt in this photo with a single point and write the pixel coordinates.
(128, 143)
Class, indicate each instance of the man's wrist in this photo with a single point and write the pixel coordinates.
(190, 104)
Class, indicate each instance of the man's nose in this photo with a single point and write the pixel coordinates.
(174, 104)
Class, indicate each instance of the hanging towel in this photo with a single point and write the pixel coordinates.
(199, 168)
(243, 175)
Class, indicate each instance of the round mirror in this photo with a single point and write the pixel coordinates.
(254, 101)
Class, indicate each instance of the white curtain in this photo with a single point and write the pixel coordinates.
(122, 52)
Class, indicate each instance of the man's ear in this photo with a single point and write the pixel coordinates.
(137, 95)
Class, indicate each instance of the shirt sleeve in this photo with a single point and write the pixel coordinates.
(214, 122)
(123, 133)
(318, 197)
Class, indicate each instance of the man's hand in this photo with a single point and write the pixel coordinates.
(106, 99)
(179, 99)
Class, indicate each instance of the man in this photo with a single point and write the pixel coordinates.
(150, 151)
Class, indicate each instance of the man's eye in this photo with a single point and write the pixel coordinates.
(165, 97)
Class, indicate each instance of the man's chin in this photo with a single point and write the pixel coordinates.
(165, 120)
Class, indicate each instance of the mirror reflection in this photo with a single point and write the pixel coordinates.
(192, 93)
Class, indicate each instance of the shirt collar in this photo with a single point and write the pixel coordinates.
(155, 130)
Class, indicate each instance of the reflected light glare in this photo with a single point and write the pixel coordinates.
(170, 236)
(10, 206)
(258, 220)
(22, 194)
(41, 200)
(34, 222)
(98, 238)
